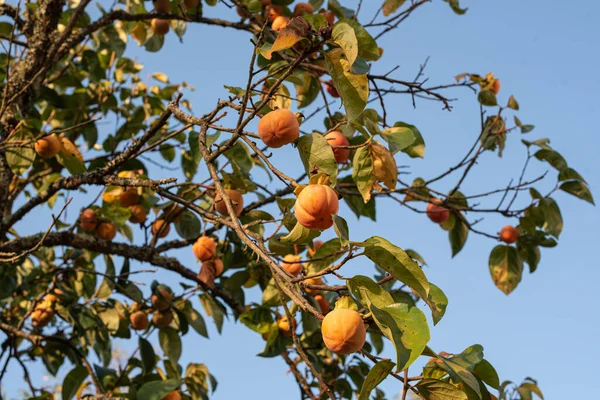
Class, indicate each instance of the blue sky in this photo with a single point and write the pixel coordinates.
(545, 55)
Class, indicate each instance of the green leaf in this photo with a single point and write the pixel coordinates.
(368, 292)
(506, 268)
(325, 255)
(154, 43)
(531, 255)
(512, 103)
(568, 174)
(459, 373)
(406, 327)
(343, 35)
(454, 4)
(417, 149)
(526, 128)
(551, 157)
(458, 236)
(578, 189)
(400, 265)
(308, 91)
(359, 207)
(553, 219)
(195, 319)
(108, 283)
(240, 158)
(73, 381)
(487, 373)
(437, 302)
(353, 89)
(362, 172)
(20, 158)
(376, 375)
(341, 229)
(433, 389)
(147, 354)
(275, 345)
(213, 309)
(170, 343)
(367, 46)
(167, 151)
(315, 21)
(300, 235)
(259, 319)
(398, 138)
(188, 227)
(316, 153)
(156, 390)
(390, 6)
(487, 98)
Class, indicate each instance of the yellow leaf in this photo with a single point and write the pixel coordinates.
(384, 166)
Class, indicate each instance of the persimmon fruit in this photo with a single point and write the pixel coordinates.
(291, 264)
(509, 234)
(48, 146)
(139, 321)
(315, 205)
(159, 26)
(278, 128)
(205, 248)
(88, 221)
(106, 230)
(237, 201)
(160, 228)
(337, 138)
(437, 213)
(343, 331)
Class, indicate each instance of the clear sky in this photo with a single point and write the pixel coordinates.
(545, 54)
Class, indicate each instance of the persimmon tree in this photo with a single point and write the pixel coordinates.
(69, 292)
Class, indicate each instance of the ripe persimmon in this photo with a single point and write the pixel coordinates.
(161, 301)
(437, 213)
(205, 248)
(88, 221)
(330, 87)
(106, 231)
(323, 303)
(159, 26)
(162, 319)
(274, 11)
(278, 128)
(237, 201)
(48, 146)
(284, 326)
(280, 23)
(303, 8)
(495, 86)
(191, 3)
(313, 281)
(337, 138)
(139, 321)
(175, 395)
(162, 6)
(215, 265)
(329, 17)
(129, 197)
(315, 205)
(509, 234)
(315, 246)
(343, 331)
(291, 264)
(160, 228)
(138, 214)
